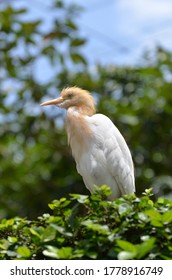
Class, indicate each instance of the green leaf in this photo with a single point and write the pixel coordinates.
(10, 254)
(127, 246)
(51, 252)
(155, 215)
(24, 251)
(4, 244)
(145, 247)
(77, 254)
(34, 232)
(62, 230)
(92, 254)
(163, 257)
(80, 198)
(123, 208)
(20, 11)
(12, 239)
(71, 24)
(143, 217)
(49, 234)
(77, 42)
(65, 253)
(156, 223)
(167, 217)
(105, 190)
(61, 203)
(148, 192)
(78, 58)
(126, 255)
(102, 229)
(62, 253)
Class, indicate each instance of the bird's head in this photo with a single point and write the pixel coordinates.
(75, 97)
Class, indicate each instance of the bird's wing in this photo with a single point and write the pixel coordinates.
(117, 154)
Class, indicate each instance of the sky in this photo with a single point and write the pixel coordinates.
(118, 31)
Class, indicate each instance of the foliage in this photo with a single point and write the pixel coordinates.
(35, 163)
(31, 166)
(93, 228)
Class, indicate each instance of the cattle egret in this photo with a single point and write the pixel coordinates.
(100, 151)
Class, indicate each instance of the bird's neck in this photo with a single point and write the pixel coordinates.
(78, 131)
(83, 110)
(77, 123)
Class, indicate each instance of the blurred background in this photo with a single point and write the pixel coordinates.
(121, 51)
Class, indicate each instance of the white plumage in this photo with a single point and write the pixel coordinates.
(100, 151)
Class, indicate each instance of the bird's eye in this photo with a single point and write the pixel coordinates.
(69, 95)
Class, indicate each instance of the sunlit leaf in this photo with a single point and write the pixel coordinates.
(145, 247)
(24, 251)
(53, 252)
(167, 217)
(126, 255)
(49, 234)
(127, 246)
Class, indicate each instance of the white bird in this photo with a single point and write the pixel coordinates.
(100, 151)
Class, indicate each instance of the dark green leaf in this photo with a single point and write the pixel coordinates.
(77, 58)
(77, 42)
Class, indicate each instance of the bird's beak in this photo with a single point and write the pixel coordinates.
(53, 102)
